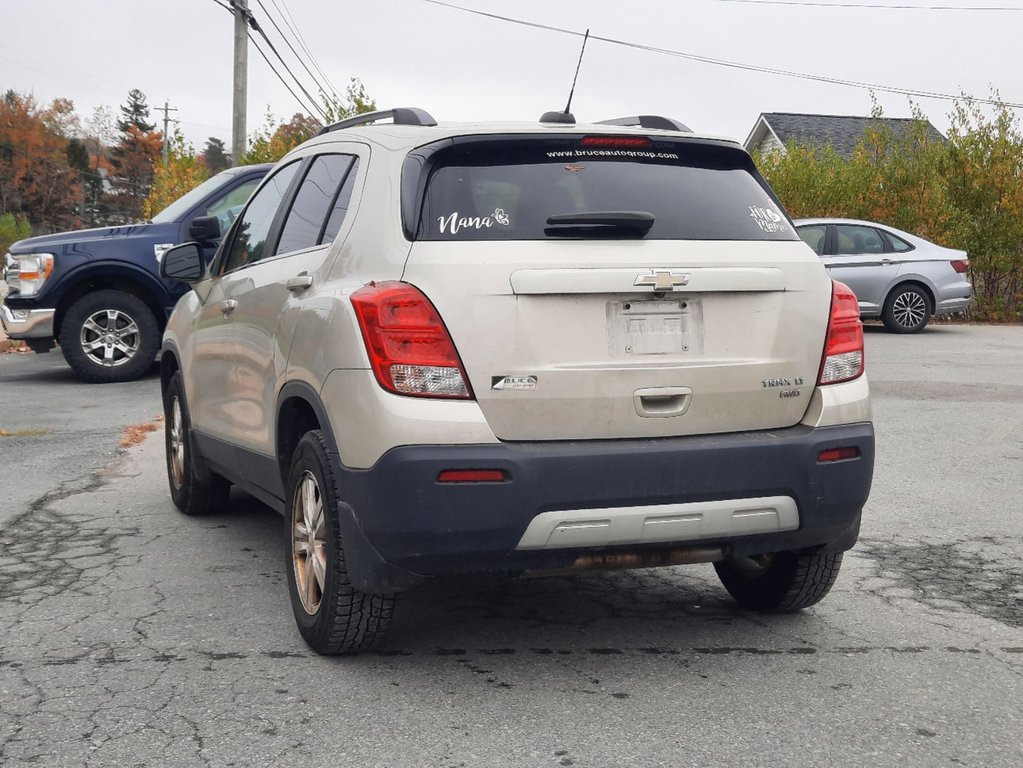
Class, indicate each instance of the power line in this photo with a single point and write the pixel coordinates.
(293, 51)
(279, 76)
(881, 6)
(734, 64)
(293, 26)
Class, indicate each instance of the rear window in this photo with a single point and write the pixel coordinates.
(507, 189)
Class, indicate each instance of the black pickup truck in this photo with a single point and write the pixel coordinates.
(98, 292)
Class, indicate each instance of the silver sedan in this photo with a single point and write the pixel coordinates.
(899, 277)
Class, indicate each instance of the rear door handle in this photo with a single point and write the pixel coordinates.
(300, 282)
(227, 307)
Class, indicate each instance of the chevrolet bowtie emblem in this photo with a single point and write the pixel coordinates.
(662, 279)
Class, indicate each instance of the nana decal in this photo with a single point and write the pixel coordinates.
(453, 223)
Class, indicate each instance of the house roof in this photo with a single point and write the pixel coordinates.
(841, 131)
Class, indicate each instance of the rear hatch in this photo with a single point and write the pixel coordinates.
(668, 295)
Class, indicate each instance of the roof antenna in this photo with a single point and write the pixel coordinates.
(566, 117)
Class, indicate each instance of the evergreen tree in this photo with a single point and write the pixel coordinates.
(214, 156)
(135, 112)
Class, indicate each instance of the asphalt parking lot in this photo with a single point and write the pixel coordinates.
(132, 635)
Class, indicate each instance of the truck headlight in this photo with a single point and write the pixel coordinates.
(27, 272)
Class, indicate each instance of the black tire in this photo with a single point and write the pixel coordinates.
(108, 336)
(192, 494)
(780, 582)
(906, 309)
(332, 616)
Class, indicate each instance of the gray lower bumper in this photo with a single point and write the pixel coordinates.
(951, 306)
(27, 323)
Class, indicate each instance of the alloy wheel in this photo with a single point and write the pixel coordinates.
(909, 309)
(309, 543)
(110, 337)
(177, 444)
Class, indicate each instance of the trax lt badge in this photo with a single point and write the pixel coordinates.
(662, 279)
(518, 383)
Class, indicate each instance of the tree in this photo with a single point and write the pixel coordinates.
(183, 172)
(215, 156)
(135, 112)
(36, 180)
(140, 144)
(274, 140)
(12, 229)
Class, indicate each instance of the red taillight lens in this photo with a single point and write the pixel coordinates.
(409, 348)
(471, 476)
(843, 350)
(615, 142)
(960, 265)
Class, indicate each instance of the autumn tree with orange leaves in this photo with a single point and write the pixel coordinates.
(37, 182)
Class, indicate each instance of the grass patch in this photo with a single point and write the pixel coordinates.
(24, 432)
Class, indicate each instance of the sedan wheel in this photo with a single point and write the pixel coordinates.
(906, 310)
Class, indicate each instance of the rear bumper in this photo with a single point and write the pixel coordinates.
(951, 306)
(750, 493)
(27, 323)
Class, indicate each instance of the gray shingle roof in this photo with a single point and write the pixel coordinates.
(842, 131)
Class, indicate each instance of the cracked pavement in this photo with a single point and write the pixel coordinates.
(135, 636)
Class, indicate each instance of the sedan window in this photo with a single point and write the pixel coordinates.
(853, 239)
(814, 236)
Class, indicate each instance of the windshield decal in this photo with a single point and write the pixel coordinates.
(453, 222)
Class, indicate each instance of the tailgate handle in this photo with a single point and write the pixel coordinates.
(662, 402)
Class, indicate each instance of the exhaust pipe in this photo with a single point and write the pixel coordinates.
(617, 561)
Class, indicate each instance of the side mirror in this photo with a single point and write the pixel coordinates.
(204, 229)
(183, 262)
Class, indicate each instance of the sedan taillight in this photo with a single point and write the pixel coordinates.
(843, 349)
(409, 347)
(960, 265)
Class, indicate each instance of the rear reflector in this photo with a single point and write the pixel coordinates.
(471, 476)
(843, 349)
(409, 348)
(838, 454)
(960, 265)
(615, 142)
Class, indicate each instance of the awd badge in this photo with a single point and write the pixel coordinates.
(517, 383)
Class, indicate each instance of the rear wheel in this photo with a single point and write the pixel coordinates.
(332, 615)
(906, 310)
(779, 582)
(190, 493)
(109, 336)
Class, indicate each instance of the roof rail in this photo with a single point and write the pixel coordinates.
(655, 122)
(400, 116)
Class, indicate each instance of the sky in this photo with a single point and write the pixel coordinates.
(463, 66)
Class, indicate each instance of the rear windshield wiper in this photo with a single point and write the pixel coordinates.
(598, 223)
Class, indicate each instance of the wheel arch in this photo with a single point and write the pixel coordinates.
(119, 278)
(299, 410)
(913, 280)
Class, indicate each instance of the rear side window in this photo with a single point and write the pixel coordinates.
(897, 243)
(507, 190)
(317, 195)
(851, 239)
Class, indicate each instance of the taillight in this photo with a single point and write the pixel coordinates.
(409, 348)
(960, 265)
(615, 142)
(843, 349)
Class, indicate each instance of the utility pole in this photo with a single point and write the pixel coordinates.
(167, 109)
(241, 65)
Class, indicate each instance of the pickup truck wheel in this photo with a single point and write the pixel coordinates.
(191, 494)
(906, 310)
(332, 616)
(109, 336)
(779, 582)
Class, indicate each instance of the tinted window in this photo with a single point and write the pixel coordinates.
(814, 236)
(506, 190)
(182, 205)
(852, 239)
(249, 239)
(320, 187)
(340, 209)
(898, 244)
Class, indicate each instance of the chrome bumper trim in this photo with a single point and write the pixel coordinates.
(27, 323)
